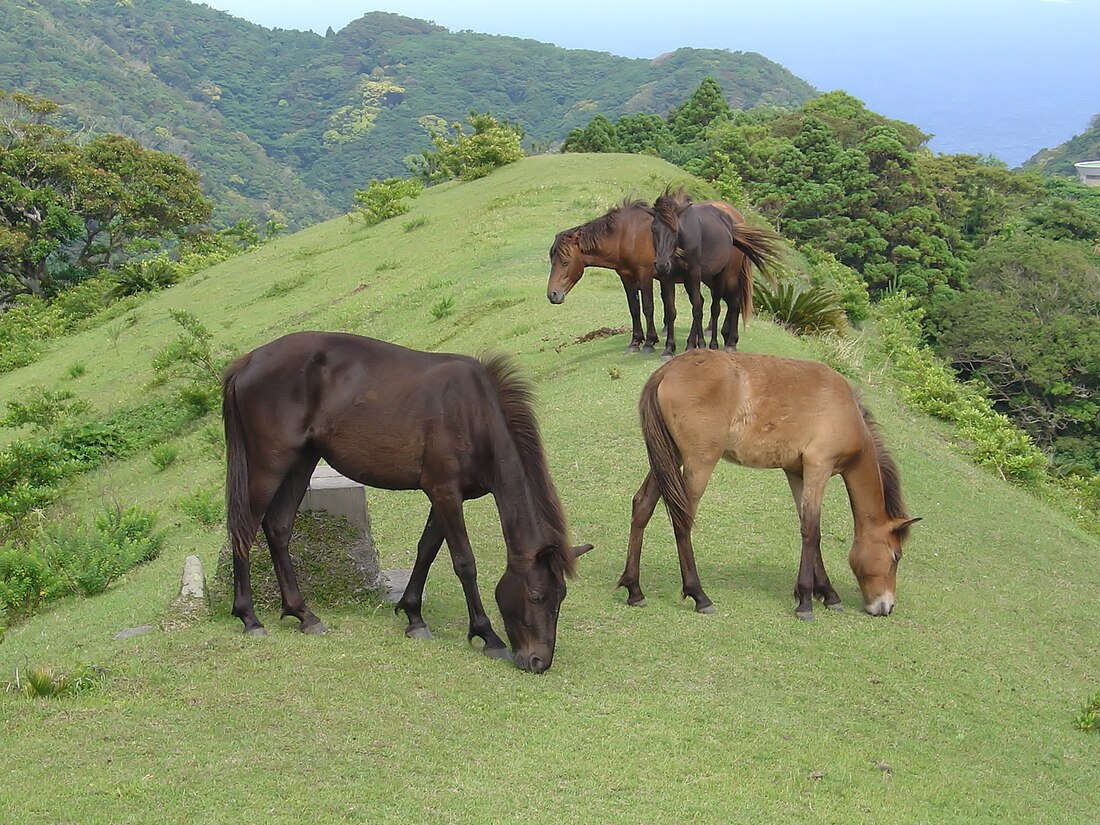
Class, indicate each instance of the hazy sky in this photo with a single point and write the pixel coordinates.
(1001, 76)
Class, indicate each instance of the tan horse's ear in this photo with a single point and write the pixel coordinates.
(902, 524)
(580, 551)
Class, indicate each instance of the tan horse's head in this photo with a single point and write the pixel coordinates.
(874, 558)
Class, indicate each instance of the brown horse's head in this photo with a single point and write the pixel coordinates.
(874, 559)
(566, 266)
(529, 596)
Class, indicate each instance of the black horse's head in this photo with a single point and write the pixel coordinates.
(666, 228)
(529, 596)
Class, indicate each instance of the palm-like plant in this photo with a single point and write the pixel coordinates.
(805, 310)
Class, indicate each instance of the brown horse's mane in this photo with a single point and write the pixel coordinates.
(891, 479)
(516, 400)
(669, 205)
(587, 236)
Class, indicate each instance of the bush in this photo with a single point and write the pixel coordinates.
(207, 507)
(25, 329)
(468, 156)
(384, 199)
(41, 409)
(163, 455)
(1088, 720)
(26, 581)
(843, 281)
(803, 310)
(143, 275)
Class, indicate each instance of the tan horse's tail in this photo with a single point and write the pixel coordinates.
(664, 457)
(238, 512)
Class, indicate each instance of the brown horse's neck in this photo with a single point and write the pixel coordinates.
(863, 480)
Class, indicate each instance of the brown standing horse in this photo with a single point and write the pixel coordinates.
(768, 412)
(389, 417)
(622, 240)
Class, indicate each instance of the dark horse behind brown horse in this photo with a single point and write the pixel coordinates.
(389, 417)
(710, 243)
(769, 412)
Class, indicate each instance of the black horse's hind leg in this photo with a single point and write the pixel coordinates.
(715, 311)
(448, 507)
(413, 597)
(278, 522)
(242, 595)
(730, 333)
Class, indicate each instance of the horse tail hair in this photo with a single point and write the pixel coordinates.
(744, 289)
(888, 470)
(664, 457)
(761, 246)
(238, 512)
(517, 405)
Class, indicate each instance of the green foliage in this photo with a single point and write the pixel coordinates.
(163, 456)
(42, 409)
(26, 582)
(444, 307)
(843, 281)
(206, 506)
(988, 437)
(414, 224)
(598, 136)
(143, 275)
(1088, 720)
(192, 362)
(46, 683)
(384, 199)
(812, 310)
(1027, 329)
(469, 155)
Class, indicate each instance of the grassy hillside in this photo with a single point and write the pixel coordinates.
(1060, 159)
(294, 122)
(958, 708)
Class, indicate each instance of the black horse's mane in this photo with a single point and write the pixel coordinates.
(516, 400)
(587, 236)
(669, 205)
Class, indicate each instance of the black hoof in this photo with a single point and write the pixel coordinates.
(636, 603)
(648, 349)
(497, 653)
(420, 632)
(707, 609)
(805, 615)
(632, 350)
(258, 630)
(315, 628)
(837, 606)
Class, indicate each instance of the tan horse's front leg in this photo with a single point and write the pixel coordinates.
(808, 493)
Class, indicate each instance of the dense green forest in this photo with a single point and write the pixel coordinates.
(1060, 159)
(287, 124)
(1004, 266)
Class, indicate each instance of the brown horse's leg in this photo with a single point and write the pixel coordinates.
(448, 507)
(632, 301)
(641, 511)
(668, 298)
(650, 343)
(813, 480)
(411, 600)
(697, 472)
(823, 587)
(693, 285)
(278, 522)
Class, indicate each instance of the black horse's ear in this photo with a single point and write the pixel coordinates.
(580, 551)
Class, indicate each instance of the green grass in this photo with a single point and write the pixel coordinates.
(958, 708)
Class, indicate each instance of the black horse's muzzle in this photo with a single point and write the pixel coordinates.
(532, 663)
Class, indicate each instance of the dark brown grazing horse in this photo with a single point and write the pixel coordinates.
(710, 243)
(394, 418)
(768, 412)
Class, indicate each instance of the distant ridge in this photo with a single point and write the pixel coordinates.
(293, 122)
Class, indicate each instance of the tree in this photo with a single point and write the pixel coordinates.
(597, 136)
(467, 156)
(1027, 327)
(706, 107)
(68, 210)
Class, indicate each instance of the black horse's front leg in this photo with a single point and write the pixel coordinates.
(632, 301)
(650, 344)
(668, 298)
(411, 600)
(693, 286)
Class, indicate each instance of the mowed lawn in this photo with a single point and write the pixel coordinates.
(958, 708)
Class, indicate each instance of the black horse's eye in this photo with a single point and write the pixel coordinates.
(536, 598)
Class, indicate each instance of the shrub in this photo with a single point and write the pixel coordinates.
(162, 455)
(90, 559)
(850, 289)
(143, 275)
(803, 310)
(384, 199)
(192, 360)
(1088, 720)
(468, 156)
(26, 581)
(25, 329)
(444, 308)
(41, 409)
(207, 507)
(44, 682)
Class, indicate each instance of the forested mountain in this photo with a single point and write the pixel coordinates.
(1060, 159)
(292, 122)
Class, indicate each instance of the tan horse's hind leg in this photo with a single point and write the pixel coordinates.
(808, 491)
(641, 511)
(698, 469)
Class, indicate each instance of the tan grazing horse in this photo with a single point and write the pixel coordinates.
(768, 412)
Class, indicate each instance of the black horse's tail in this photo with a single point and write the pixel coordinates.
(664, 457)
(238, 512)
(761, 246)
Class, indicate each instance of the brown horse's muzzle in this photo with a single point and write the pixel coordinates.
(555, 296)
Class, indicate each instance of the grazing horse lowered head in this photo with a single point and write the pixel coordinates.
(455, 427)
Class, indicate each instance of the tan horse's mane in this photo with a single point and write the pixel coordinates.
(586, 237)
(888, 470)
